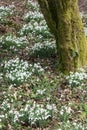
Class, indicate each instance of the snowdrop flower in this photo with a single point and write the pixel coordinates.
(49, 107)
(18, 71)
(62, 112)
(41, 91)
(77, 78)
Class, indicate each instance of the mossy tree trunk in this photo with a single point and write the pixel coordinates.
(63, 19)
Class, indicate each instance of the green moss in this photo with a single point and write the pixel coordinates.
(68, 30)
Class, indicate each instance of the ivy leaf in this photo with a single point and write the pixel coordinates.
(75, 54)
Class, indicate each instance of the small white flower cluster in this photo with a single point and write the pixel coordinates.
(1, 116)
(5, 105)
(53, 108)
(32, 114)
(5, 12)
(72, 126)
(36, 113)
(12, 42)
(40, 91)
(65, 109)
(37, 24)
(47, 45)
(18, 71)
(33, 5)
(77, 78)
(15, 114)
(33, 16)
(37, 68)
(46, 49)
(35, 28)
(7, 8)
(78, 126)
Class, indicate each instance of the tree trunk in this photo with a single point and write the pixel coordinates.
(63, 19)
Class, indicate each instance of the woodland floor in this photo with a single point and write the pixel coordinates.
(62, 93)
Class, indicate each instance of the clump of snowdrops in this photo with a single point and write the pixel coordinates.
(16, 71)
(77, 79)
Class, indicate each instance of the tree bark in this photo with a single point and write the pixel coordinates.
(63, 19)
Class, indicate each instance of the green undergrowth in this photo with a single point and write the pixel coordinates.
(33, 96)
